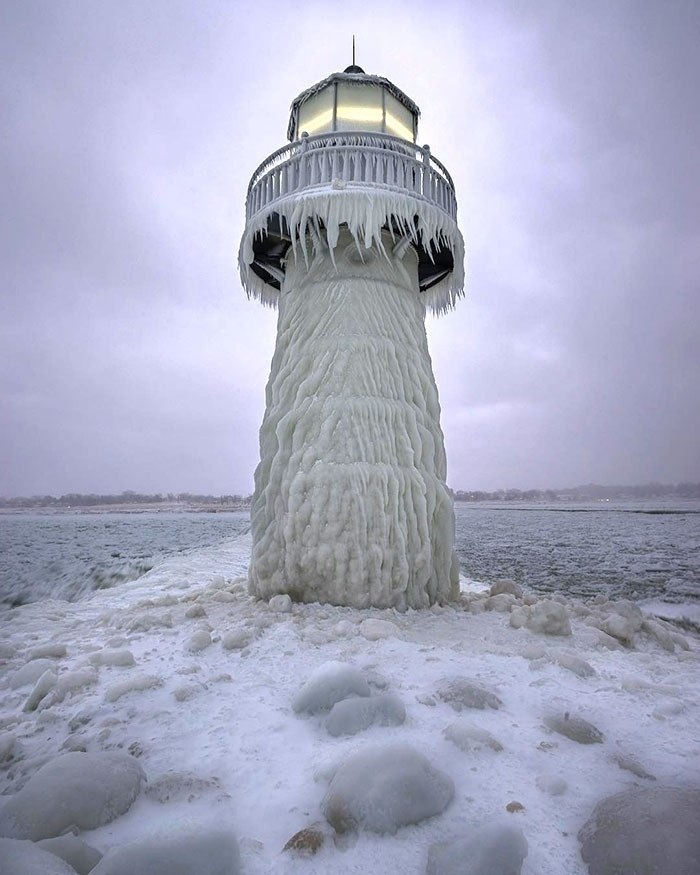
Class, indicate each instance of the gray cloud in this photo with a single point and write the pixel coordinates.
(130, 357)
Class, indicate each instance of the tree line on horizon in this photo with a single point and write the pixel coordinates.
(590, 492)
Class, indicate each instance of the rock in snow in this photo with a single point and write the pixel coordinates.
(649, 830)
(575, 728)
(493, 849)
(462, 693)
(330, 683)
(207, 852)
(354, 715)
(25, 858)
(83, 790)
(383, 788)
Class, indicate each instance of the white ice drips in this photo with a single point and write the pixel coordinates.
(364, 212)
(351, 505)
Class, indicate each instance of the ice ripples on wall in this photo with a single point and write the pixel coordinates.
(351, 505)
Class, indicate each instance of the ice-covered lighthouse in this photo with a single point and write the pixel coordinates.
(351, 232)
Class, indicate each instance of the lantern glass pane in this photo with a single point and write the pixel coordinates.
(399, 119)
(359, 108)
(316, 113)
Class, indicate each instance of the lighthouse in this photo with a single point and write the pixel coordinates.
(351, 232)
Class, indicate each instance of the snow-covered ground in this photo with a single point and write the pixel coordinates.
(208, 704)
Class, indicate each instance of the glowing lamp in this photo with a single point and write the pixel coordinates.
(354, 101)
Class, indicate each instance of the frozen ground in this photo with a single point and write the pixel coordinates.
(206, 707)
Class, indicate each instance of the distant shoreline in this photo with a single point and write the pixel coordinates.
(97, 509)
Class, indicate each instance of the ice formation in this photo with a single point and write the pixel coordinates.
(351, 505)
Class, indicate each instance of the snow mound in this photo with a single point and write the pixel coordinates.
(82, 790)
(25, 858)
(208, 852)
(383, 788)
(644, 830)
(330, 683)
(493, 849)
(355, 715)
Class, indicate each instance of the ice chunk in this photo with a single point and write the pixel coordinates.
(83, 790)
(468, 737)
(354, 715)
(146, 622)
(206, 852)
(462, 693)
(69, 683)
(506, 586)
(43, 686)
(236, 639)
(135, 684)
(574, 664)
(374, 630)
(383, 788)
(491, 849)
(330, 683)
(30, 672)
(26, 858)
(200, 640)
(81, 856)
(575, 728)
(651, 829)
(549, 618)
(7, 744)
(281, 604)
(501, 603)
(195, 611)
(117, 657)
(48, 651)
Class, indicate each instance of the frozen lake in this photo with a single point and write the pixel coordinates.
(622, 550)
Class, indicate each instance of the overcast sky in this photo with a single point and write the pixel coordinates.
(130, 358)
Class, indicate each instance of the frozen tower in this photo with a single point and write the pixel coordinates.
(351, 232)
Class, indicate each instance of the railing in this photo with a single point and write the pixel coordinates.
(351, 160)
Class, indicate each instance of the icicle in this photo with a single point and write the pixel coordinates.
(365, 211)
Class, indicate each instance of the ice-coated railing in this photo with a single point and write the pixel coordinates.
(351, 160)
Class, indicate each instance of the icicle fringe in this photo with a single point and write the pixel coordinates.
(364, 211)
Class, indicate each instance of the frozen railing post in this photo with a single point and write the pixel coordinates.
(426, 172)
(351, 230)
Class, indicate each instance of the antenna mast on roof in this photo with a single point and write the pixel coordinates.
(353, 50)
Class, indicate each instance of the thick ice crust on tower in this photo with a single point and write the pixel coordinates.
(350, 504)
(364, 212)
